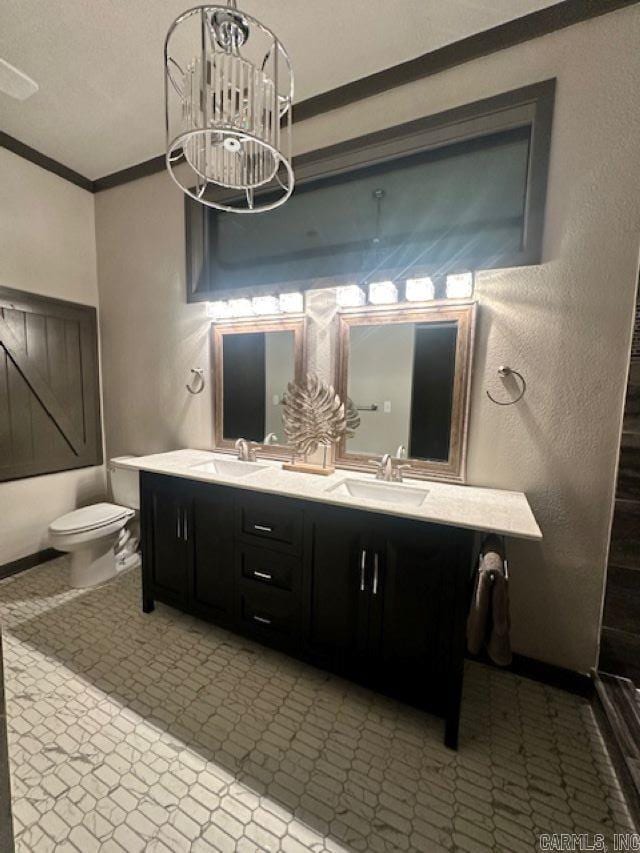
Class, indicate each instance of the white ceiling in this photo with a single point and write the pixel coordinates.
(99, 64)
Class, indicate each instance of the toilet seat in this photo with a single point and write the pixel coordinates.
(89, 518)
(90, 535)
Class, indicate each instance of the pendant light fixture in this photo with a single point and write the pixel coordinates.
(228, 96)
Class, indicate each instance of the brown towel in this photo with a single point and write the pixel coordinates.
(488, 623)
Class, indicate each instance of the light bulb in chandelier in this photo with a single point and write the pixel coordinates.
(228, 96)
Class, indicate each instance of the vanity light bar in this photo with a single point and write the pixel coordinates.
(382, 293)
(218, 310)
(263, 306)
(459, 285)
(266, 304)
(292, 303)
(420, 289)
(350, 296)
(242, 307)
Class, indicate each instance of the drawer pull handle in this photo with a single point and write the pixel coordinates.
(262, 619)
(263, 528)
(363, 560)
(375, 573)
(264, 575)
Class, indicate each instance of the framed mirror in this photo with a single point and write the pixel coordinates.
(407, 372)
(253, 363)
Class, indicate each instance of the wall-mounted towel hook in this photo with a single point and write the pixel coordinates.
(198, 377)
(509, 371)
(505, 561)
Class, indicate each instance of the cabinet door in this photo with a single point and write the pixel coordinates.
(419, 614)
(168, 516)
(211, 537)
(337, 581)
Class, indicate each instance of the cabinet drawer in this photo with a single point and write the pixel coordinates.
(272, 519)
(269, 568)
(266, 610)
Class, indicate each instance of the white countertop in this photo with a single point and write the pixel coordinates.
(491, 510)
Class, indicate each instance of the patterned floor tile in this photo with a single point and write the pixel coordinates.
(132, 732)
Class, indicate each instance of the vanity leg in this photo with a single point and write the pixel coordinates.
(148, 601)
(458, 644)
(451, 728)
(454, 686)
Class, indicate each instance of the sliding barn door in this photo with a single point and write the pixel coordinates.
(49, 386)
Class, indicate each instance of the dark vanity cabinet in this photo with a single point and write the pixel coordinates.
(269, 568)
(188, 546)
(166, 524)
(386, 598)
(211, 570)
(376, 598)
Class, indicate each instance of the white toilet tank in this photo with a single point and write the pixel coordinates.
(124, 483)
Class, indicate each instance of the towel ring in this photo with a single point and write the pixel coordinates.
(509, 371)
(198, 377)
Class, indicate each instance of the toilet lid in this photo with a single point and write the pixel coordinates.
(89, 518)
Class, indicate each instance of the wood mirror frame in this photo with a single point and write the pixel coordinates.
(453, 469)
(295, 324)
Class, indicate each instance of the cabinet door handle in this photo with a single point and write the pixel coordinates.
(263, 528)
(185, 527)
(262, 619)
(264, 575)
(179, 523)
(363, 561)
(375, 574)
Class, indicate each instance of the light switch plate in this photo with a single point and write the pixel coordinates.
(387, 406)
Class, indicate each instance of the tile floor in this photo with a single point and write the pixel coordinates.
(162, 733)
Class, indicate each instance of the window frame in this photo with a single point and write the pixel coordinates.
(529, 106)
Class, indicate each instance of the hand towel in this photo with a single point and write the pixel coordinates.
(489, 623)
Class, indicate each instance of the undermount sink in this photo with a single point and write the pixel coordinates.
(391, 493)
(229, 467)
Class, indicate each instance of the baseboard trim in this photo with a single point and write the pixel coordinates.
(27, 562)
(546, 673)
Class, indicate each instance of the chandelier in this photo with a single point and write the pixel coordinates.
(228, 96)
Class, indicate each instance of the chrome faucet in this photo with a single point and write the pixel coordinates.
(388, 471)
(270, 438)
(396, 473)
(401, 452)
(385, 468)
(246, 450)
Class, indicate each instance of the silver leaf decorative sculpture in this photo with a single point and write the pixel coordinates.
(353, 418)
(313, 416)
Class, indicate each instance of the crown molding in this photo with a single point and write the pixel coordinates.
(534, 25)
(557, 17)
(48, 163)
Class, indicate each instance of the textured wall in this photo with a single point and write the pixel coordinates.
(565, 324)
(47, 246)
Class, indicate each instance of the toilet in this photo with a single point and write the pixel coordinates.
(96, 535)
